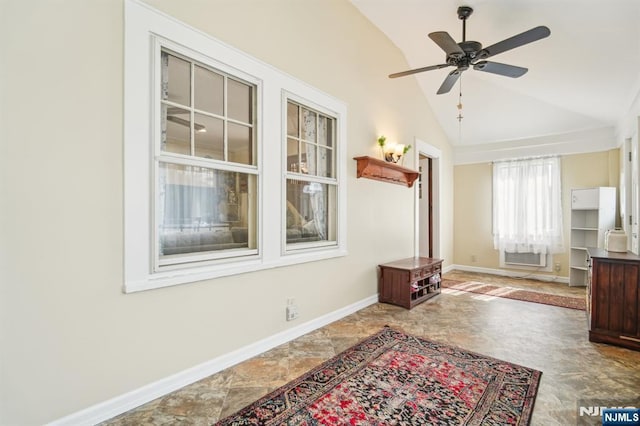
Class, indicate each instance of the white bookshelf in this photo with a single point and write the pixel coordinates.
(593, 212)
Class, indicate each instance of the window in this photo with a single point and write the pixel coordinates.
(204, 194)
(527, 209)
(206, 176)
(311, 184)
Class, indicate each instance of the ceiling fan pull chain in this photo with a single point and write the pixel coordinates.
(460, 117)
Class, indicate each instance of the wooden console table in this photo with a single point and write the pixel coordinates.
(409, 282)
(613, 298)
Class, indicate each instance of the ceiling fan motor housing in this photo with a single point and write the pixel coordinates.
(470, 47)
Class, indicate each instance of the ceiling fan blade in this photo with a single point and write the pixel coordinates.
(518, 40)
(417, 70)
(448, 82)
(447, 43)
(500, 69)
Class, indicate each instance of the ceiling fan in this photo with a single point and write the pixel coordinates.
(471, 53)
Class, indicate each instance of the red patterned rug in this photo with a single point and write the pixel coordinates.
(516, 293)
(394, 378)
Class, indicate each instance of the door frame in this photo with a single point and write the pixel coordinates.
(635, 194)
(427, 150)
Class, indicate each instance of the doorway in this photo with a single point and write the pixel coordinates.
(427, 205)
(635, 194)
(425, 208)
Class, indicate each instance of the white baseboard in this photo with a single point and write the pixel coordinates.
(448, 268)
(130, 400)
(123, 403)
(507, 273)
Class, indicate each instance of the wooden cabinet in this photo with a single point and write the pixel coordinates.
(408, 282)
(613, 298)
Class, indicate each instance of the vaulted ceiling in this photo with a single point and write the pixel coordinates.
(580, 80)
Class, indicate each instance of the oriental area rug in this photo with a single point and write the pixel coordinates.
(392, 378)
(516, 294)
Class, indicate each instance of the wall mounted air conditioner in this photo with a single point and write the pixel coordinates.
(527, 260)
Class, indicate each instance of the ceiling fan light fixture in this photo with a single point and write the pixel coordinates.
(464, 54)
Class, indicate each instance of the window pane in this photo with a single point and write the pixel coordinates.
(292, 155)
(205, 210)
(310, 212)
(325, 131)
(209, 134)
(176, 130)
(308, 125)
(325, 162)
(239, 101)
(308, 159)
(292, 119)
(176, 79)
(209, 91)
(240, 146)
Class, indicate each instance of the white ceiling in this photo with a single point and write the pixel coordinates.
(581, 79)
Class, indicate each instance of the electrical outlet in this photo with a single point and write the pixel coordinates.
(292, 312)
(474, 258)
(557, 267)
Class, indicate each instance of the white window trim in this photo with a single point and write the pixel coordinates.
(339, 161)
(143, 26)
(172, 158)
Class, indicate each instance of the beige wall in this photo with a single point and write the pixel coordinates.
(473, 241)
(70, 337)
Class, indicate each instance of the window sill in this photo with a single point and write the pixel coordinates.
(184, 276)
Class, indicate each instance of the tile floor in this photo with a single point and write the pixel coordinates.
(551, 339)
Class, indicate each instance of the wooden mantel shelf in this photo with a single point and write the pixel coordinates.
(373, 168)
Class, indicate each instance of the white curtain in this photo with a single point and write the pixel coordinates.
(527, 206)
(189, 197)
(317, 196)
